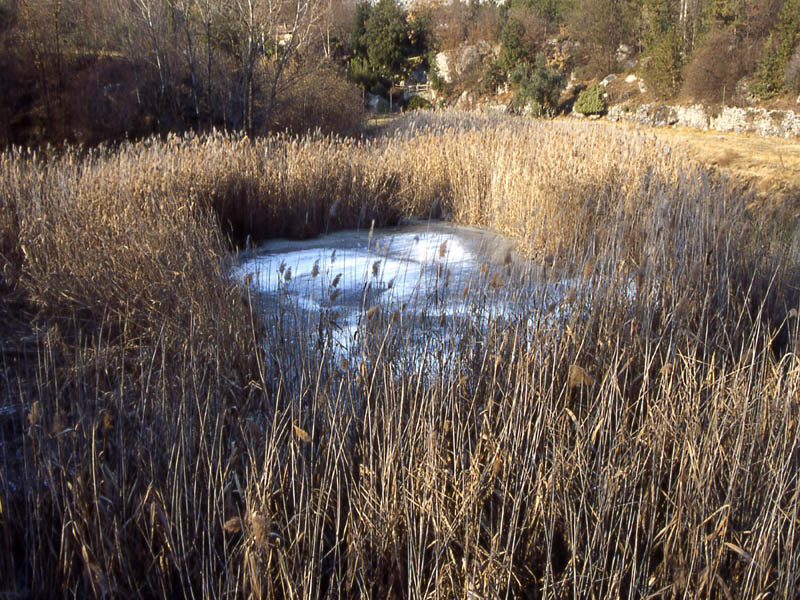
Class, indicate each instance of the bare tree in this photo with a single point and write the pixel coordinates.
(275, 30)
(40, 35)
(337, 18)
(152, 15)
(184, 19)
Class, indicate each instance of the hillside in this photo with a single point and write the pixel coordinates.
(90, 71)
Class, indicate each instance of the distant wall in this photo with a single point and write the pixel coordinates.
(775, 123)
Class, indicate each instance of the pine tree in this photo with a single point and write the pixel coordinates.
(358, 39)
(539, 85)
(663, 73)
(386, 38)
(512, 44)
(780, 45)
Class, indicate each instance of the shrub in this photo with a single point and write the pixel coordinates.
(492, 78)
(591, 101)
(715, 67)
(486, 23)
(419, 103)
(327, 102)
(539, 85)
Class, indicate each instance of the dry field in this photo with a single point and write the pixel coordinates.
(771, 166)
(639, 440)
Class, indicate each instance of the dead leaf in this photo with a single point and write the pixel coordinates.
(233, 525)
(301, 434)
(743, 554)
(579, 377)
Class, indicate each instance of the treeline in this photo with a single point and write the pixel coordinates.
(90, 70)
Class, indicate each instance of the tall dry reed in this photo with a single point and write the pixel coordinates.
(638, 437)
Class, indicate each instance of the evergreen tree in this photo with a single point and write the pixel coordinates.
(358, 40)
(552, 10)
(513, 47)
(539, 85)
(726, 13)
(663, 44)
(663, 72)
(386, 38)
(769, 78)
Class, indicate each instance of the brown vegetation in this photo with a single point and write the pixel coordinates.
(716, 67)
(770, 167)
(90, 71)
(639, 439)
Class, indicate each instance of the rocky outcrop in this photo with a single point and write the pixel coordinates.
(455, 63)
(626, 57)
(444, 67)
(608, 79)
(775, 123)
(467, 59)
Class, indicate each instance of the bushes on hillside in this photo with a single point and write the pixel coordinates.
(539, 86)
(715, 67)
(591, 101)
(419, 103)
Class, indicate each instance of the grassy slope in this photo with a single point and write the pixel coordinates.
(770, 165)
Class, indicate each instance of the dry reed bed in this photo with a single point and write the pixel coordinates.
(642, 444)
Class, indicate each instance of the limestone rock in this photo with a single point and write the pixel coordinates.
(467, 59)
(625, 57)
(444, 67)
(664, 115)
(775, 123)
(743, 94)
(464, 101)
(486, 50)
(608, 79)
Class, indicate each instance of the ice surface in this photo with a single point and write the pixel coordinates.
(436, 273)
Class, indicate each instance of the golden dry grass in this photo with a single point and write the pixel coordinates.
(770, 165)
(638, 440)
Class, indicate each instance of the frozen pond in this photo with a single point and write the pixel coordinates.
(436, 273)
